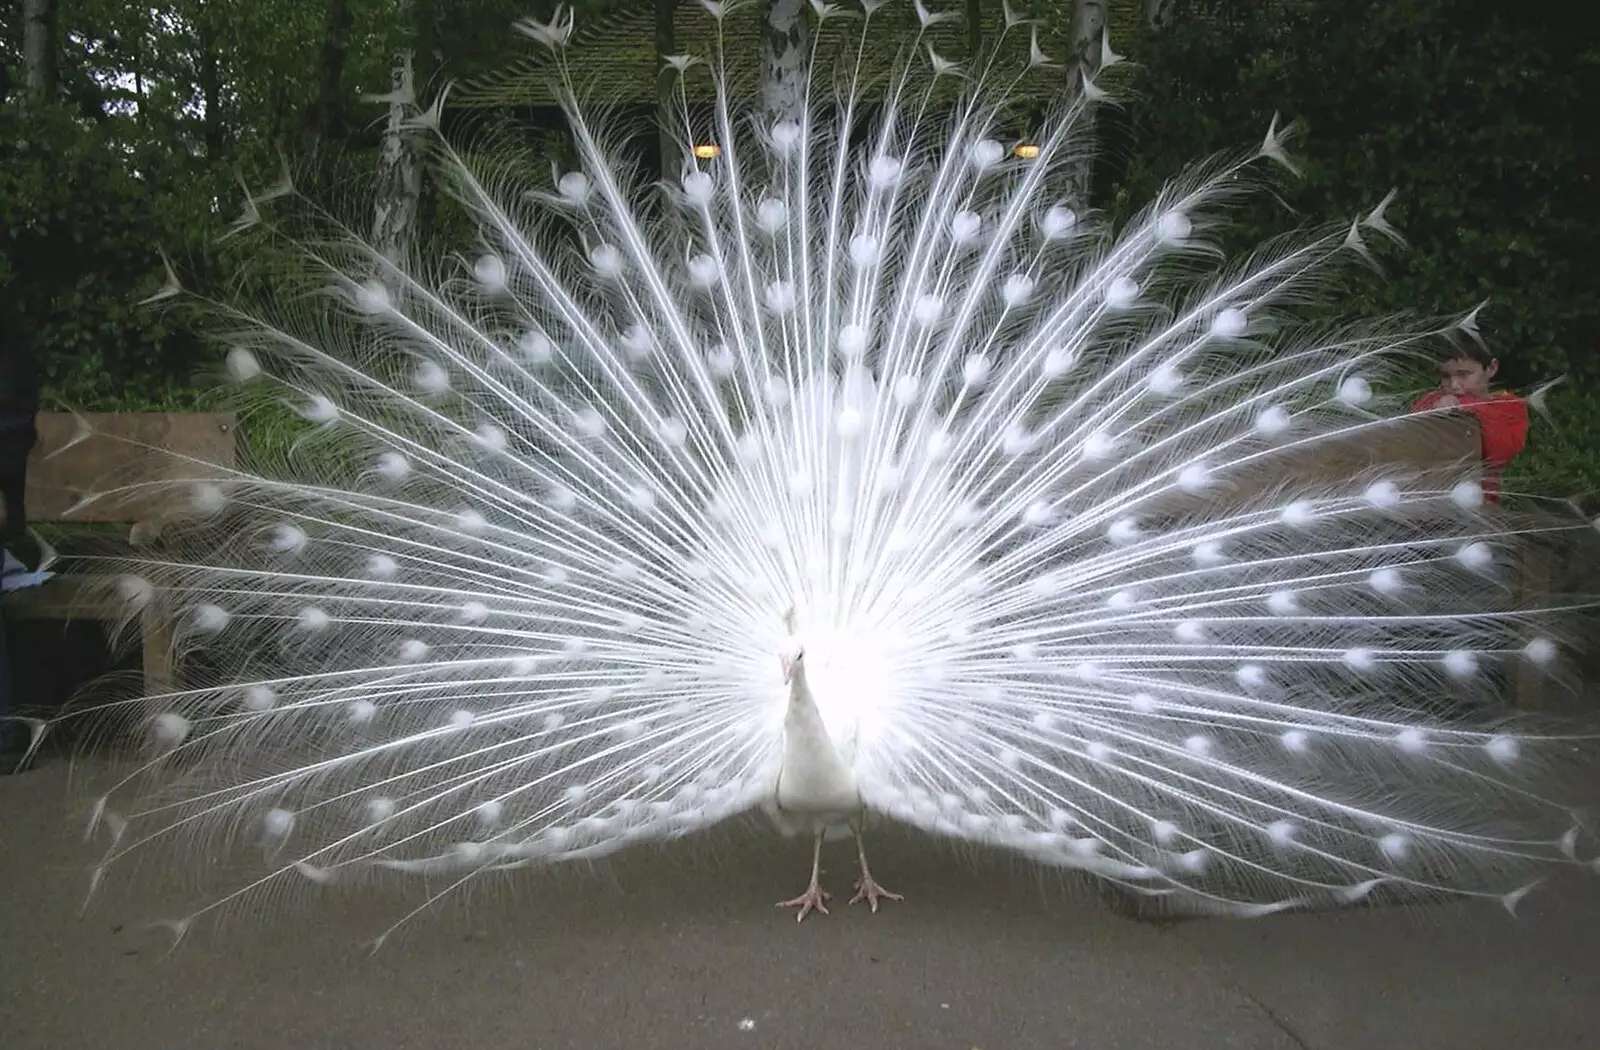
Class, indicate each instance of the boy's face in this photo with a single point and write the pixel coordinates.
(1464, 377)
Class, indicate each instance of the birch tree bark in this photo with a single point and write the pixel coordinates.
(783, 68)
(1088, 31)
(399, 181)
(41, 56)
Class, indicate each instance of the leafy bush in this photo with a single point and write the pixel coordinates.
(1479, 114)
(80, 228)
(1474, 111)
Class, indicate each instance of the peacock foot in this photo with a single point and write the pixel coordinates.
(813, 897)
(869, 891)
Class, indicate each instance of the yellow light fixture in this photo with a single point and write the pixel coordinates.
(708, 151)
(1025, 150)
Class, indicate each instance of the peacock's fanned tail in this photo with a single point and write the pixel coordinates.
(515, 594)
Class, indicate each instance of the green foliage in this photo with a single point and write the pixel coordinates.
(1477, 113)
(79, 225)
(165, 110)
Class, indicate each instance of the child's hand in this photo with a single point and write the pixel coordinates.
(1448, 401)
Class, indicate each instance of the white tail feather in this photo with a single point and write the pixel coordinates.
(515, 596)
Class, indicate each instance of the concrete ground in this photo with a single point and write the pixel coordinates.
(683, 949)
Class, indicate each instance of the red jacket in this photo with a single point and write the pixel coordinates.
(1503, 419)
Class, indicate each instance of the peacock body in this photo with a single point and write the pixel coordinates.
(858, 474)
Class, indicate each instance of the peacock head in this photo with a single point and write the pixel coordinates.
(791, 657)
(792, 650)
(844, 668)
(793, 666)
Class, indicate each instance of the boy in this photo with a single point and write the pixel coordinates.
(1466, 368)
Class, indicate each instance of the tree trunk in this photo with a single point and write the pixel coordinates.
(666, 85)
(1088, 30)
(41, 53)
(327, 118)
(1157, 13)
(974, 29)
(211, 95)
(783, 62)
(399, 184)
(136, 59)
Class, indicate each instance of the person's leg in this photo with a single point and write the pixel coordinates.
(17, 735)
(14, 487)
(14, 532)
(9, 736)
(15, 443)
(17, 438)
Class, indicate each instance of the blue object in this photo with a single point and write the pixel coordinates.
(17, 577)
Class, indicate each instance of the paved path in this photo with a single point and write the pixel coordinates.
(663, 950)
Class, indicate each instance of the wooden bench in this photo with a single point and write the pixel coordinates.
(120, 449)
(1432, 449)
(128, 448)
(1436, 451)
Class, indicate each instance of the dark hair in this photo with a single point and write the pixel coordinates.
(1461, 344)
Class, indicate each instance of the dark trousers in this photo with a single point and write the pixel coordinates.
(13, 486)
(9, 532)
(6, 731)
(17, 437)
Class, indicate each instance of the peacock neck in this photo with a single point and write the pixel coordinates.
(817, 775)
(802, 706)
(803, 722)
(805, 725)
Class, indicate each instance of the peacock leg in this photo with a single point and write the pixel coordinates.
(866, 889)
(814, 896)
